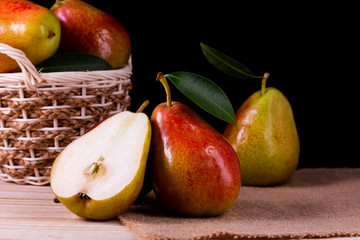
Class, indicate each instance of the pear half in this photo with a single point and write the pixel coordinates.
(100, 174)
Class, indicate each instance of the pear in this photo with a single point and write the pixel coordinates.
(266, 139)
(100, 174)
(195, 171)
(87, 29)
(27, 26)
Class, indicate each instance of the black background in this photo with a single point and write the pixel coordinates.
(308, 51)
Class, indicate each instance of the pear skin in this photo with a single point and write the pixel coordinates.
(87, 29)
(266, 141)
(29, 27)
(195, 170)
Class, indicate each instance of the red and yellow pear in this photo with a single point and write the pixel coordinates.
(87, 29)
(29, 27)
(195, 171)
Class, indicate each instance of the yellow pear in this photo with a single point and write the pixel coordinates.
(266, 139)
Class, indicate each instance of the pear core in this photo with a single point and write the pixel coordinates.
(104, 161)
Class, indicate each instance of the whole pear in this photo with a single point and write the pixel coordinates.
(266, 139)
(195, 171)
(29, 27)
(87, 29)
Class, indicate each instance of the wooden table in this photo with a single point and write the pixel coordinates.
(29, 212)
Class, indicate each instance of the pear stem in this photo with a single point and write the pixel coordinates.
(161, 77)
(263, 83)
(143, 106)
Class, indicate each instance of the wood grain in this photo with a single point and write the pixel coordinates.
(29, 212)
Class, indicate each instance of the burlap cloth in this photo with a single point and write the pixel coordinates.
(314, 203)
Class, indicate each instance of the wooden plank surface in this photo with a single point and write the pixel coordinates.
(29, 212)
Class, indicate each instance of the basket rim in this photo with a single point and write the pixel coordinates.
(32, 79)
(127, 69)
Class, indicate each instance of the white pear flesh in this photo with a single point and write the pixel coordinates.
(119, 146)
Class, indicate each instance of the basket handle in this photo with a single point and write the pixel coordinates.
(31, 76)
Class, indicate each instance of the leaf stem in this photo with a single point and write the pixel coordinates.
(263, 83)
(161, 77)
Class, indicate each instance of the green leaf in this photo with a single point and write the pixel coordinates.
(205, 94)
(73, 62)
(227, 64)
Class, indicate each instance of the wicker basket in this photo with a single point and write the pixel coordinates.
(41, 113)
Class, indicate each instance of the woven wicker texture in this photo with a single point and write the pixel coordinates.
(41, 113)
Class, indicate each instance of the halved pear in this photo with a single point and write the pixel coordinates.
(100, 174)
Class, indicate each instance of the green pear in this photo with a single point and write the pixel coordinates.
(29, 27)
(195, 171)
(87, 29)
(266, 139)
(100, 174)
